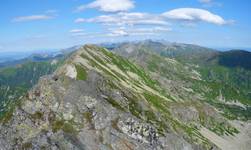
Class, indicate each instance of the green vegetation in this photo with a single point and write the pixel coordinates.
(7, 116)
(233, 112)
(38, 115)
(69, 128)
(27, 146)
(222, 128)
(94, 64)
(7, 113)
(81, 73)
(115, 124)
(233, 84)
(57, 125)
(125, 65)
(207, 79)
(16, 80)
(66, 126)
(88, 116)
(157, 102)
(235, 59)
(133, 105)
(114, 103)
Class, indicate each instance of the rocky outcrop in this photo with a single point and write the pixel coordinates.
(75, 117)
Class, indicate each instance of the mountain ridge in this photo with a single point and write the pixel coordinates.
(67, 74)
(117, 103)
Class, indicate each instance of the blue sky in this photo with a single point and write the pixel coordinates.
(51, 24)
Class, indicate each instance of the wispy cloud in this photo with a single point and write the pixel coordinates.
(32, 18)
(80, 20)
(126, 19)
(126, 24)
(108, 5)
(122, 32)
(151, 30)
(148, 30)
(138, 23)
(194, 15)
(205, 1)
(209, 3)
(76, 30)
(118, 32)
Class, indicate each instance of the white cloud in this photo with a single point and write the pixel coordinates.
(79, 34)
(76, 31)
(118, 32)
(122, 31)
(161, 29)
(210, 3)
(109, 5)
(126, 19)
(123, 24)
(150, 30)
(79, 20)
(194, 15)
(89, 35)
(32, 18)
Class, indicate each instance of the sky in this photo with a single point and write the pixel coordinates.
(28, 25)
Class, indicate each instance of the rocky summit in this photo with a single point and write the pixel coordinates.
(100, 100)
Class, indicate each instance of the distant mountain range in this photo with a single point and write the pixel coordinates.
(187, 52)
(14, 58)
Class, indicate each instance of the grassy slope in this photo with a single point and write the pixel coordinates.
(222, 73)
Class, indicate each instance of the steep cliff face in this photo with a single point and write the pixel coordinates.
(98, 100)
